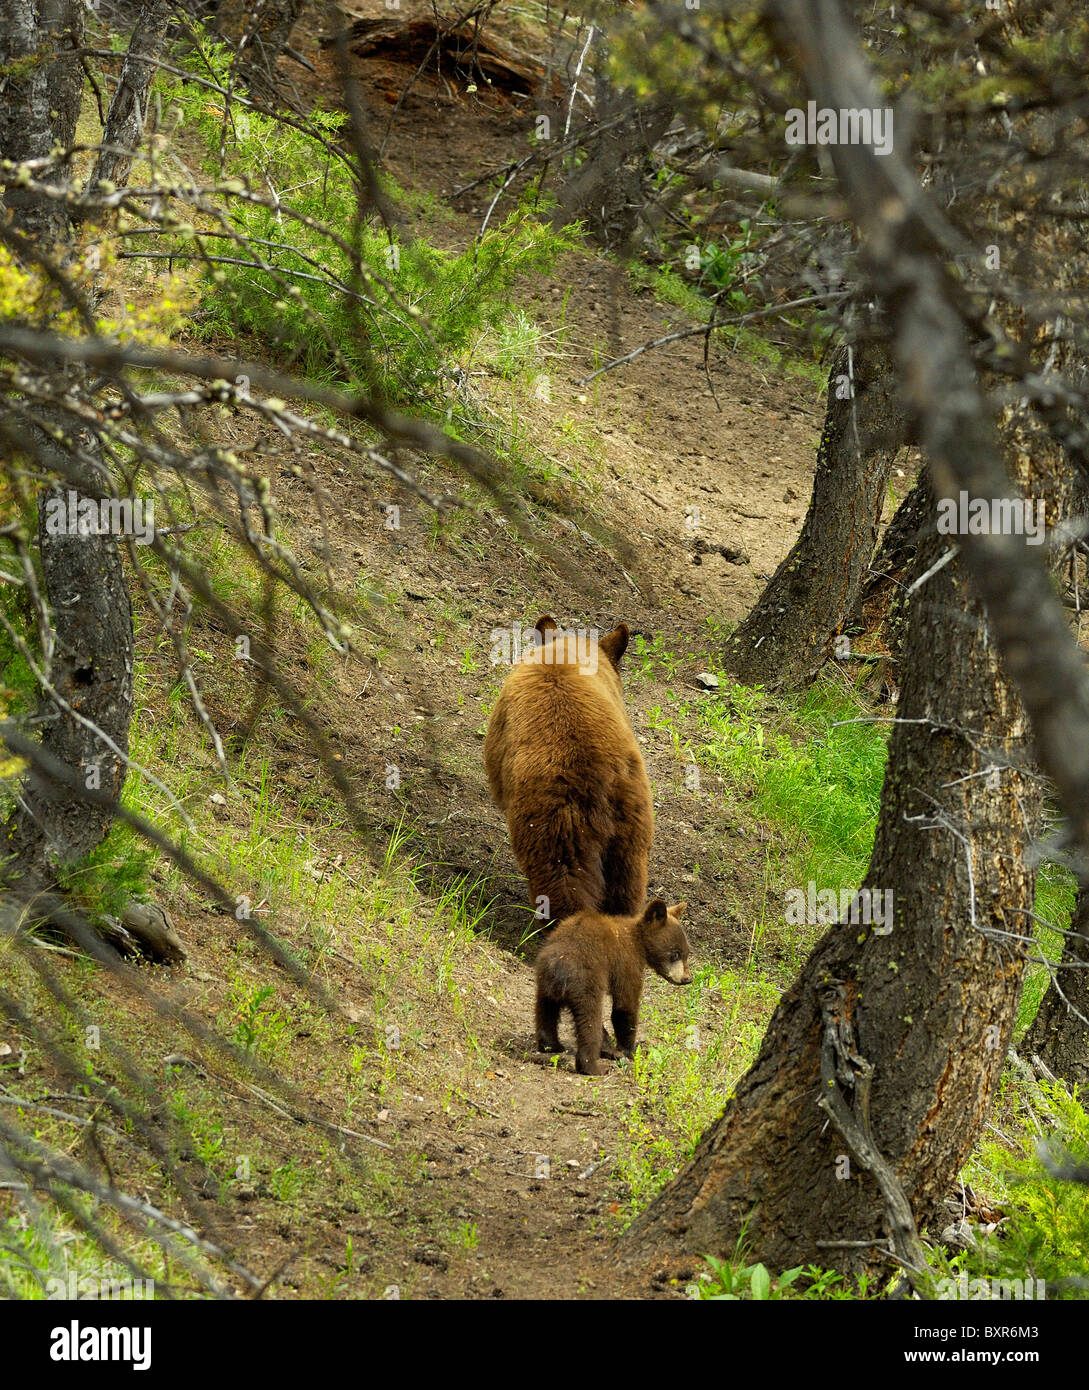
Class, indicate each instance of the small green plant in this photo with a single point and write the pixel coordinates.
(1039, 1249)
(112, 875)
(737, 1281)
(724, 266)
(465, 1236)
(286, 1182)
(258, 1027)
(518, 344)
(654, 654)
(206, 1132)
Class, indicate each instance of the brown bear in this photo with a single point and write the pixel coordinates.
(591, 955)
(564, 767)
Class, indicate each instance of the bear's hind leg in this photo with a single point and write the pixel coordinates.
(625, 871)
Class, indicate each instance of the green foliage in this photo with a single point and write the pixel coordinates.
(1045, 1234)
(1056, 889)
(683, 1075)
(287, 1181)
(340, 295)
(518, 346)
(18, 688)
(53, 1258)
(259, 1028)
(725, 265)
(114, 874)
(734, 1280)
(826, 783)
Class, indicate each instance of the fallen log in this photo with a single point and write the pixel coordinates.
(477, 55)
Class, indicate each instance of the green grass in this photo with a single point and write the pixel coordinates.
(672, 287)
(699, 1042)
(1045, 1234)
(802, 766)
(343, 297)
(1056, 889)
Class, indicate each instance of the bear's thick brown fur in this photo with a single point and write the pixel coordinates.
(564, 767)
(591, 955)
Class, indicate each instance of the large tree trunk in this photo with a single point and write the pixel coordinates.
(1059, 1033)
(931, 1003)
(90, 667)
(40, 103)
(789, 635)
(881, 608)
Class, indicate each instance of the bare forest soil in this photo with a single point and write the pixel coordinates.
(499, 1176)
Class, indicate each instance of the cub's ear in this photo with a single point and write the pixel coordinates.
(546, 624)
(614, 644)
(655, 911)
(679, 910)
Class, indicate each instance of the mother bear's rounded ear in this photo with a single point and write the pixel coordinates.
(546, 624)
(614, 644)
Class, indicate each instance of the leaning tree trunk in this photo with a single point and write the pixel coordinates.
(85, 717)
(789, 635)
(128, 109)
(931, 1003)
(881, 608)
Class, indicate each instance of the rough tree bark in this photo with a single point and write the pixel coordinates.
(881, 608)
(788, 636)
(125, 119)
(40, 105)
(931, 1004)
(91, 671)
(90, 666)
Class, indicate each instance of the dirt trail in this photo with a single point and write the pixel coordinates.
(679, 477)
(664, 449)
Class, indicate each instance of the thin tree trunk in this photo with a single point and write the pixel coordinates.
(931, 1003)
(128, 109)
(789, 635)
(91, 671)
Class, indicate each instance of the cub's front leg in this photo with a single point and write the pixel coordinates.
(589, 1031)
(625, 1023)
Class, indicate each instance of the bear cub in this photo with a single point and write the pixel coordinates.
(590, 955)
